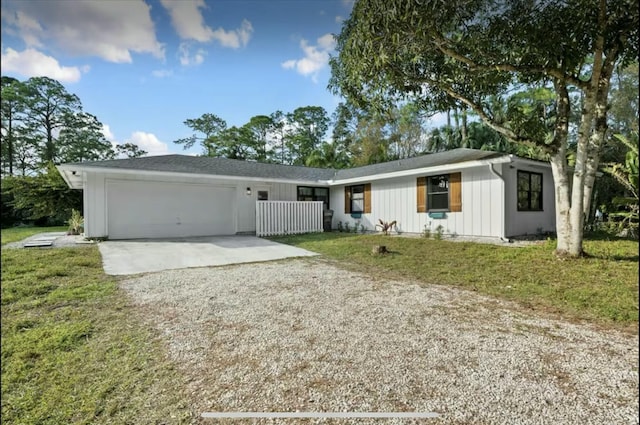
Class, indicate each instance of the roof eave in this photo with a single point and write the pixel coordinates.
(424, 170)
(71, 176)
(78, 169)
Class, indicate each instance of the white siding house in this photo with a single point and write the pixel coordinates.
(488, 200)
(467, 192)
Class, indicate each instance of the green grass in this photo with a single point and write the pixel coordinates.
(602, 288)
(73, 351)
(15, 234)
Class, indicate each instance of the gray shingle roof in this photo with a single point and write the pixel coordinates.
(238, 168)
(454, 156)
(214, 166)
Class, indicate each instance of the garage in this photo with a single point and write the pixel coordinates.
(152, 209)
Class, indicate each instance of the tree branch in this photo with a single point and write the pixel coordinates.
(441, 44)
(475, 107)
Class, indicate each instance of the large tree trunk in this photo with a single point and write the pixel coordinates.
(560, 169)
(593, 161)
(600, 131)
(583, 148)
(576, 215)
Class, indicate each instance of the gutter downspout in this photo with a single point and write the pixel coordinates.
(502, 202)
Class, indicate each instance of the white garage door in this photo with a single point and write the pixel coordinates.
(137, 209)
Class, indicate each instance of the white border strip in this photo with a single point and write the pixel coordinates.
(298, 415)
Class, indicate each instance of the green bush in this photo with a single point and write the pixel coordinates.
(43, 200)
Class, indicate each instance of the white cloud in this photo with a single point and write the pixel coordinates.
(234, 38)
(187, 58)
(162, 73)
(106, 131)
(95, 28)
(315, 57)
(327, 42)
(149, 142)
(146, 141)
(32, 63)
(187, 20)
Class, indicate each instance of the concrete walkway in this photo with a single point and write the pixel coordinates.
(152, 255)
(50, 240)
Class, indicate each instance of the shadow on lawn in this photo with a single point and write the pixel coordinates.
(615, 257)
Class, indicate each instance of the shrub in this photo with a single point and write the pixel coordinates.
(439, 232)
(76, 223)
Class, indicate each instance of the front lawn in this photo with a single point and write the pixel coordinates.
(602, 288)
(15, 234)
(73, 351)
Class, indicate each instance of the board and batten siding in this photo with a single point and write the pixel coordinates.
(96, 208)
(520, 223)
(396, 199)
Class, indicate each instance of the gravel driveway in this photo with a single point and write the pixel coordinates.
(305, 335)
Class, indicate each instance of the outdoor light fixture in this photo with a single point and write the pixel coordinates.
(248, 191)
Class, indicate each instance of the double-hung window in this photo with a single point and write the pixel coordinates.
(441, 193)
(308, 193)
(357, 198)
(438, 193)
(529, 191)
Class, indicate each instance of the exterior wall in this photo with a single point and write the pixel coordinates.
(395, 199)
(95, 197)
(489, 206)
(520, 223)
(247, 204)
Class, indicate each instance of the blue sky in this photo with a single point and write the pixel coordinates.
(144, 66)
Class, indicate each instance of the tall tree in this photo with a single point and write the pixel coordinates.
(12, 111)
(465, 51)
(278, 121)
(345, 122)
(49, 108)
(407, 133)
(235, 143)
(259, 129)
(327, 155)
(372, 141)
(81, 139)
(206, 131)
(306, 127)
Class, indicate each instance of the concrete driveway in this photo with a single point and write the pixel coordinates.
(152, 255)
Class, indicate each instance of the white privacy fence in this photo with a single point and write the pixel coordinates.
(288, 217)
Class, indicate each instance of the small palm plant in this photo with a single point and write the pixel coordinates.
(385, 226)
(76, 223)
(627, 175)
